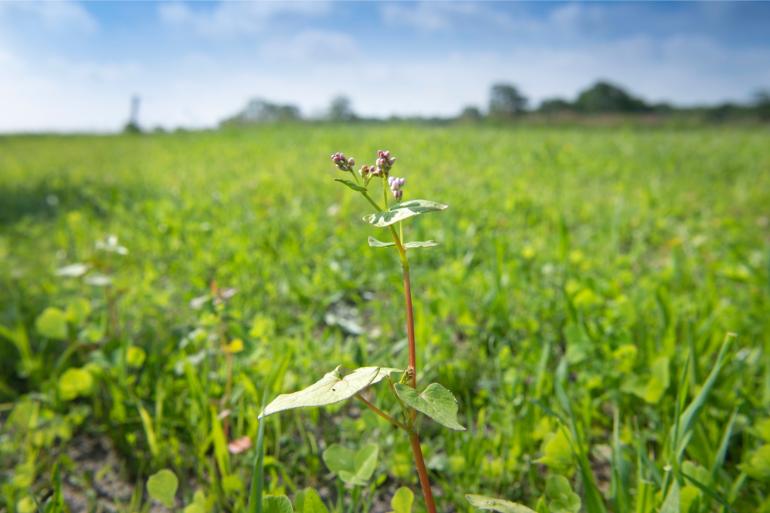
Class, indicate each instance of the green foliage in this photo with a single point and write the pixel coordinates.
(74, 383)
(351, 185)
(308, 501)
(277, 504)
(435, 401)
(162, 487)
(52, 323)
(403, 210)
(506, 101)
(557, 451)
(606, 97)
(330, 389)
(374, 243)
(757, 464)
(402, 500)
(559, 495)
(352, 467)
(611, 249)
(492, 504)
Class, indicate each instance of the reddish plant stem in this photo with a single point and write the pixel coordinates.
(414, 439)
(419, 462)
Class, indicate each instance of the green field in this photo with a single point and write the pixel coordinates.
(585, 282)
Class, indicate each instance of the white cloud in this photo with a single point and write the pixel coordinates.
(233, 18)
(61, 15)
(433, 16)
(311, 45)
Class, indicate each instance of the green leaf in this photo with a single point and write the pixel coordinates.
(671, 504)
(350, 184)
(403, 210)
(374, 243)
(435, 401)
(557, 452)
(308, 501)
(420, 244)
(135, 356)
(402, 500)
(162, 487)
(198, 505)
(493, 504)
(686, 421)
(52, 323)
(354, 468)
(653, 389)
(330, 389)
(757, 465)
(194, 508)
(75, 382)
(277, 504)
(559, 495)
(78, 310)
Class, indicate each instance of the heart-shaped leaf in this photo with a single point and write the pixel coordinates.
(435, 401)
(493, 504)
(276, 504)
(402, 500)
(354, 468)
(350, 184)
(52, 323)
(330, 389)
(403, 210)
(162, 487)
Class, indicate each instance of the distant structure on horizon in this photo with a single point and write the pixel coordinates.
(133, 116)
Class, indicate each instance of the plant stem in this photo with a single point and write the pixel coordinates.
(414, 439)
(382, 413)
(419, 462)
(409, 321)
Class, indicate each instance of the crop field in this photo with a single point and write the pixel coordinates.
(599, 304)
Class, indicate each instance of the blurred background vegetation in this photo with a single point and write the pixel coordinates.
(155, 289)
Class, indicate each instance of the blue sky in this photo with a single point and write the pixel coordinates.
(68, 65)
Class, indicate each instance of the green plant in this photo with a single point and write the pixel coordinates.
(434, 401)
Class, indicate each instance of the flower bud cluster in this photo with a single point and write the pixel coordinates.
(395, 186)
(342, 163)
(385, 161)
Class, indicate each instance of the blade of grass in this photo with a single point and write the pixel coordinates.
(690, 414)
(257, 476)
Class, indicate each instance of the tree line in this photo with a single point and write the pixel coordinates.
(508, 103)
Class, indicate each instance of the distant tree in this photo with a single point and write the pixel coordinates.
(762, 104)
(662, 108)
(341, 109)
(604, 97)
(505, 101)
(555, 106)
(263, 111)
(724, 111)
(470, 113)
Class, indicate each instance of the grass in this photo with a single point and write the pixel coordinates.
(585, 283)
